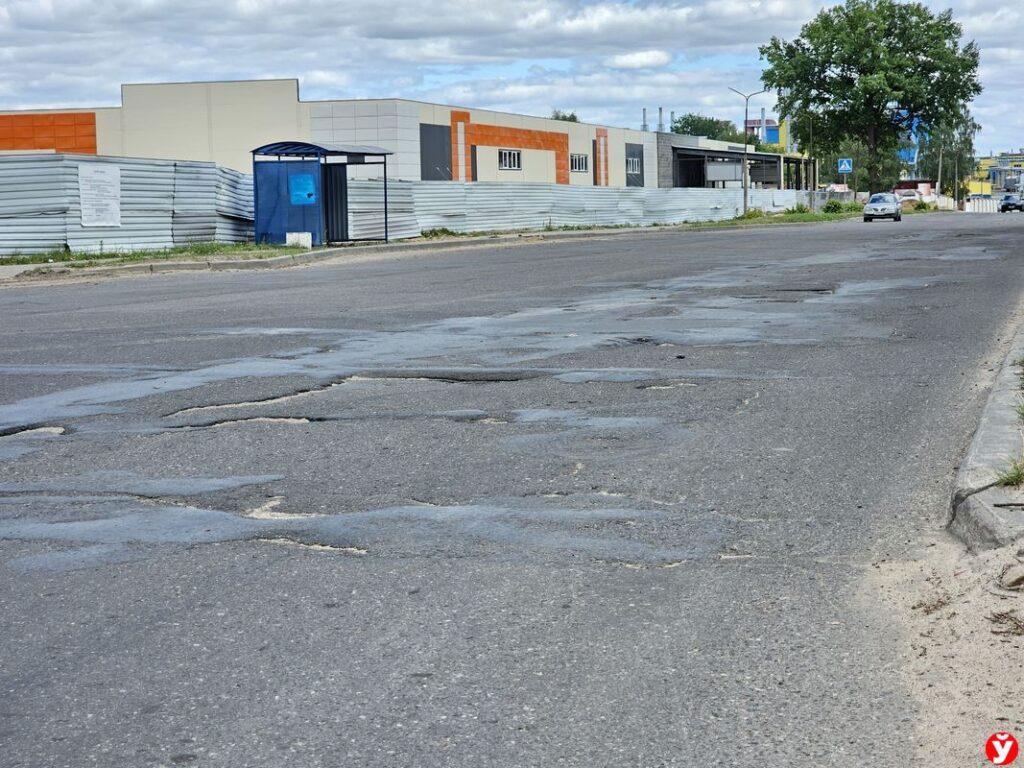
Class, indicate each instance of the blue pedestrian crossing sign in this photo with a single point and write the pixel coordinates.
(845, 165)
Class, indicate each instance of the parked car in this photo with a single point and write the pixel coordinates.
(884, 205)
(1011, 203)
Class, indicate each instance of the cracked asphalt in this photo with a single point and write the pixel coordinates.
(594, 502)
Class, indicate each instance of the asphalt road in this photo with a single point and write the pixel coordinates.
(601, 502)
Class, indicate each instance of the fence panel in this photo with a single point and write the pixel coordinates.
(163, 203)
(981, 205)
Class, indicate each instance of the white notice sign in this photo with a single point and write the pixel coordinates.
(99, 193)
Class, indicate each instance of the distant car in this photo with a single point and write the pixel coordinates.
(883, 206)
(1011, 203)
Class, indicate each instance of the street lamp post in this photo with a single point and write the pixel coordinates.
(746, 168)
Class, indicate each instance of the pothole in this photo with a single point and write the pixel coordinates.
(675, 385)
(315, 547)
(40, 431)
(254, 403)
(266, 511)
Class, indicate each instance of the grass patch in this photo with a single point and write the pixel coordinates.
(185, 252)
(789, 217)
(444, 232)
(1012, 476)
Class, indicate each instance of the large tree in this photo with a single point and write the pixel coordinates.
(870, 71)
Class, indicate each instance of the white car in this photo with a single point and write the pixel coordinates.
(883, 206)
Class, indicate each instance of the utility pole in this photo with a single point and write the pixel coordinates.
(956, 180)
(746, 168)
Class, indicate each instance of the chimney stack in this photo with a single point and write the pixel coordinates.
(644, 126)
(661, 120)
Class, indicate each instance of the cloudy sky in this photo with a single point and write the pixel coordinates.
(605, 60)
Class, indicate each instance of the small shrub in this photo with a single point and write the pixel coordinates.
(438, 232)
(799, 208)
(921, 205)
(852, 206)
(832, 206)
(753, 213)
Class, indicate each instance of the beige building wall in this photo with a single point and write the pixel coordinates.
(219, 122)
(223, 121)
(108, 132)
(538, 166)
(389, 123)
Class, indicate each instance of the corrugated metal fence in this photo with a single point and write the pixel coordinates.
(164, 203)
(982, 205)
(416, 206)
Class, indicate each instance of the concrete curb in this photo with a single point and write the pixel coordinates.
(986, 515)
(291, 260)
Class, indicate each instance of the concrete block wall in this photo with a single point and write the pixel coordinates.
(389, 123)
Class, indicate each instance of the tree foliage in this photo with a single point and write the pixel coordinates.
(828, 169)
(694, 124)
(947, 154)
(569, 117)
(869, 71)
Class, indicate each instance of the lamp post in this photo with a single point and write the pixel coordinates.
(746, 168)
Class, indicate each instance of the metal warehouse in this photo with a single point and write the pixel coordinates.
(222, 122)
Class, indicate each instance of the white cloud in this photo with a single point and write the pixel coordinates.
(604, 58)
(639, 60)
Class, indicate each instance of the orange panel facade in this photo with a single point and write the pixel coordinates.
(601, 158)
(469, 134)
(58, 131)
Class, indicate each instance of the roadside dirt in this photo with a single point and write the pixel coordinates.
(965, 654)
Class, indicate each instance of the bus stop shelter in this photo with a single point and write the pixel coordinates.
(303, 187)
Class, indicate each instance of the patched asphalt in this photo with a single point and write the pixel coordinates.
(576, 503)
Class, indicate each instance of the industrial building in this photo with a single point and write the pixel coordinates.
(222, 122)
(998, 173)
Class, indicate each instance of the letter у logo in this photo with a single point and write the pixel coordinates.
(1001, 748)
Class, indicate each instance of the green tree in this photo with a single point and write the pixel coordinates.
(868, 71)
(947, 153)
(694, 124)
(828, 168)
(569, 117)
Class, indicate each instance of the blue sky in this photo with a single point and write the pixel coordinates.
(605, 60)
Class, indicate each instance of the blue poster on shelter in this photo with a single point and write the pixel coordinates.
(302, 189)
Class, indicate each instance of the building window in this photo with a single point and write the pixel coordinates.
(632, 165)
(510, 160)
(579, 163)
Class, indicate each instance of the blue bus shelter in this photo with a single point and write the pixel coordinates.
(303, 187)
